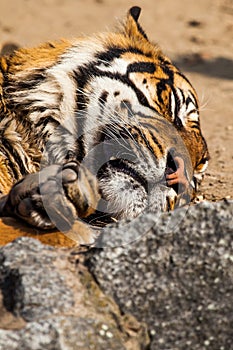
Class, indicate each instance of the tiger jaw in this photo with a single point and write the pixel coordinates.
(127, 198)
(127, 193)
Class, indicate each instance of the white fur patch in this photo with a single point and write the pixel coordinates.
(118, 65)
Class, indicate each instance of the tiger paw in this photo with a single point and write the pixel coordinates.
(53, 197)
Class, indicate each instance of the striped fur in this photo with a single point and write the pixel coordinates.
(85, 99)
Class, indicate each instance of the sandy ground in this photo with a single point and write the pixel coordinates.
(197, 35)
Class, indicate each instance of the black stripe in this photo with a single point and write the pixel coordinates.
(141, 67)
(44, 121)
(169, 71)
(12, 163)
(188, 101)
(125, 167)
(183, 97)
(155, 140)
(178, 72)
(162, 85)
(153, 127)
(29, 82)
(194, 98)
(142, 31)
(143, 136)
(103, 100)
(11, 152)
(109, 55)
(164, 61)
(81, 76)
(195, 127)
(195, 124)
(170, 106)
(192, 111)
(177, 121)
(147, 143)
(114, 52)
(204, 160)
(80, 148)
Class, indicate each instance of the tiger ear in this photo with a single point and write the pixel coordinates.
(132, 27)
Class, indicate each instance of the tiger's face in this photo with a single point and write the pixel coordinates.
(133, 147)
(145, 113)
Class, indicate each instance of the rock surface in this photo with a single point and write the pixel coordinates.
(178, 277)
(50, 301)
(172, 272)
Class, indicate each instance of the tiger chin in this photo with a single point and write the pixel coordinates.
(97, 129)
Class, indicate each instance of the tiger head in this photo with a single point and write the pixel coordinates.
(168, 91)
(140, 98)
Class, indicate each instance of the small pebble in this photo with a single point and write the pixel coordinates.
(222, 241)
(194, 23)
(102, 333)
(109, 335)
(211, 307)
(206, 343)
(104, 327)
(152, 332)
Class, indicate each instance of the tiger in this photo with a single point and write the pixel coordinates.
(98, 129)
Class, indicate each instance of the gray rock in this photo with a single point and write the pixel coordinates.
(50, 301)
(63, 333)
(31, 286)
(174, 272)
(171, 271)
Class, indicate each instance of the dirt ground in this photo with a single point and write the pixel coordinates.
(197, 35)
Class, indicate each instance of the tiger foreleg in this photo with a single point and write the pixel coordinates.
(52, 198)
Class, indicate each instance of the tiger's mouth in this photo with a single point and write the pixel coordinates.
(136, 182)
(123, 179)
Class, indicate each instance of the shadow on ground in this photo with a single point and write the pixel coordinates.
(219, 67)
